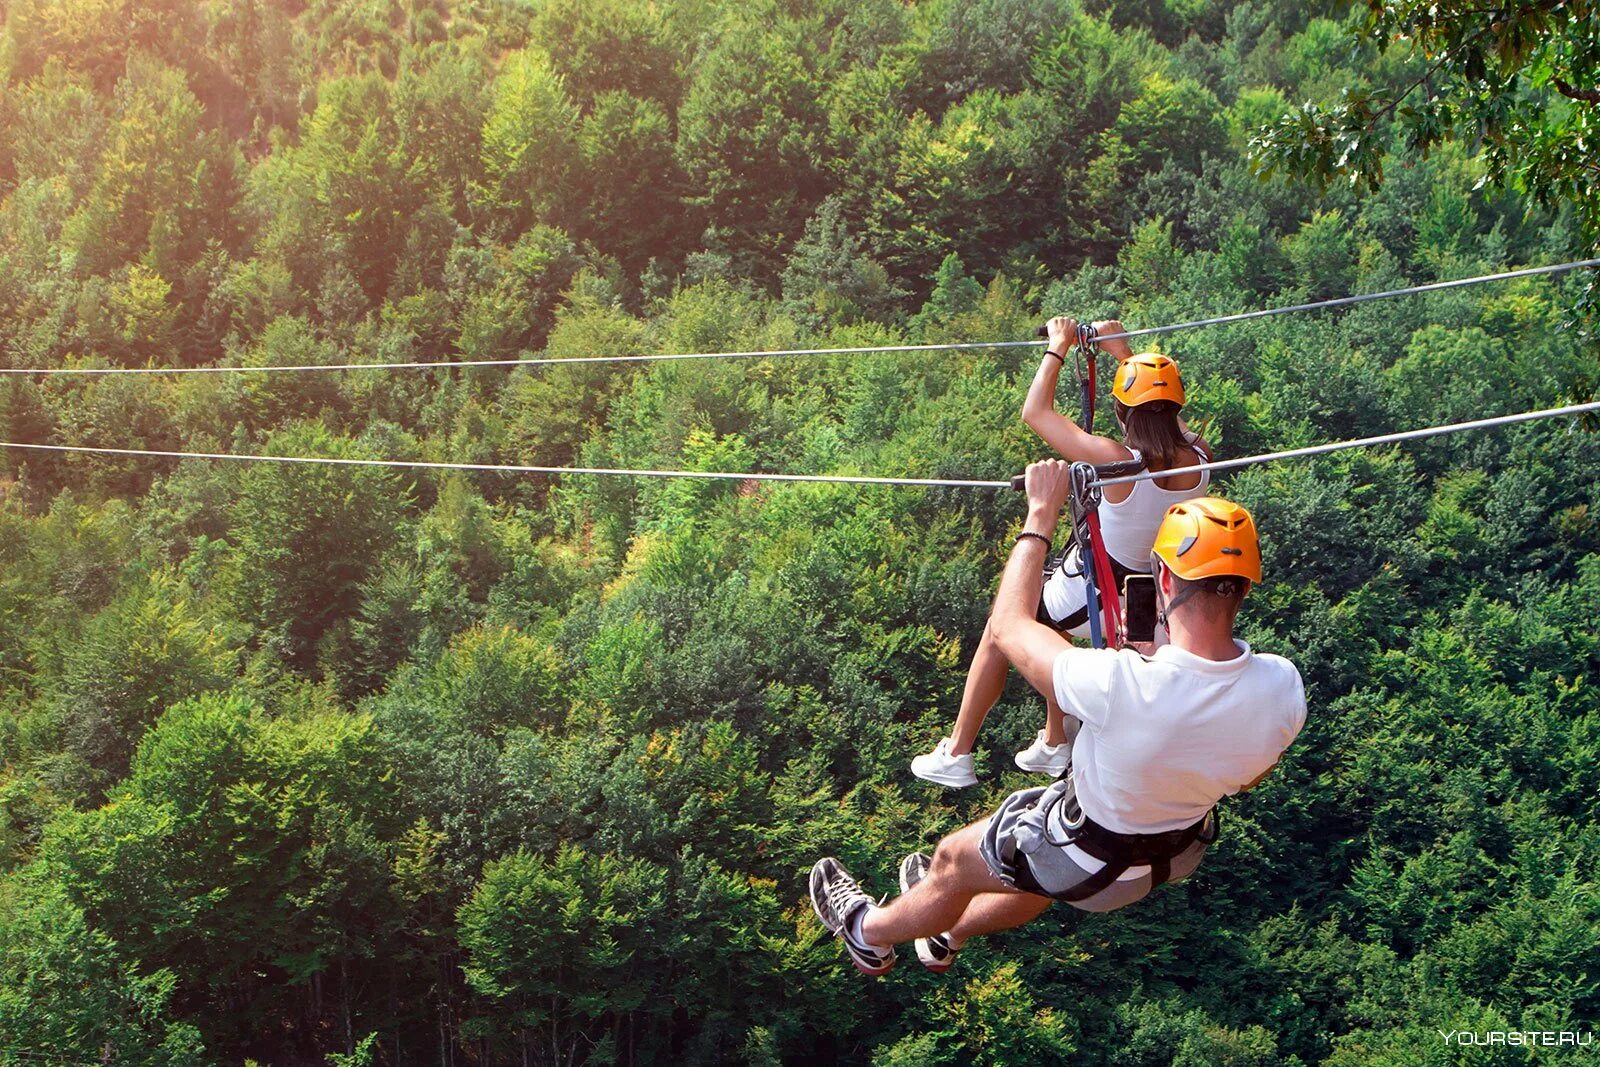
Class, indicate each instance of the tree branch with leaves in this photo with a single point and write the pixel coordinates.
(1519, 80)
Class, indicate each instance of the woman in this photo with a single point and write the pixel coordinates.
(1148, 395)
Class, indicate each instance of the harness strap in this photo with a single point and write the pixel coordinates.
(1105, 576)
(1093, 884)
(1117, 852)
(1083, 366)
(1136, 850)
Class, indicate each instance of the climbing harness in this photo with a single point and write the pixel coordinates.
(1065, 824)
(1106, 622)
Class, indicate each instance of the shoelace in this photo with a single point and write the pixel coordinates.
(842, 895)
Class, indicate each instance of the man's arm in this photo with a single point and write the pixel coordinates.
(1258, 779)
(1031, 646)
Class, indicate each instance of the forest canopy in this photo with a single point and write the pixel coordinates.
(355, 765)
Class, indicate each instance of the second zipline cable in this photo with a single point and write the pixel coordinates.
(542, 361)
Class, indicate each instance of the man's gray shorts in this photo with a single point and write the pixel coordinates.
(1029, 830)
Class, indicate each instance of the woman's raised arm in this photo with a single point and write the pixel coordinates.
(1058, 431)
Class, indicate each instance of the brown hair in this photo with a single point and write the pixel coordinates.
(1153, 429)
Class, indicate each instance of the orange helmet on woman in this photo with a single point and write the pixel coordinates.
(1209, 537)
(1147, 377)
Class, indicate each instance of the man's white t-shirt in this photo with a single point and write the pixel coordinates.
(1165, 737)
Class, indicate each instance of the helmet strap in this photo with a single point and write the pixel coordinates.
(1178, 601)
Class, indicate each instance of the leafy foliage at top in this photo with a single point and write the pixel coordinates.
(1521, 79)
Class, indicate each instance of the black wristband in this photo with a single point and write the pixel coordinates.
(1058, 355)
(1029, 535)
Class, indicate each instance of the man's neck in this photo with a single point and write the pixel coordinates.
(1207, 638)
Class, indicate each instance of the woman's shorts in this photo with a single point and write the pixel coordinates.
(1020, 846)
(1064, 600)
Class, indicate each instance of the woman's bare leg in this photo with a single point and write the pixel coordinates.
(986, 680)
(1059, 728)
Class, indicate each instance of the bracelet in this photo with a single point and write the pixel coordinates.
(1030, 535)
(1058, 355)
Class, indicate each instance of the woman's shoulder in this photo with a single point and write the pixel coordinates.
(1198, 444)
(1107, 450)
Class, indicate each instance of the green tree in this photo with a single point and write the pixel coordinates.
(612, 46)
(308, 536)
(147, 650)
(752, 111)
(529, 141)
(552, 942)
(68, 993)
(164, 186)
(827, 280)
(1322, 255)
(1177, 120)
(630, 180)
(962, 48)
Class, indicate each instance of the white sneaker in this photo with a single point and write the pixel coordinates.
(1043, 758)
(941, 768)
(934, 951)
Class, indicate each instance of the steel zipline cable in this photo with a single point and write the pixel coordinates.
(1220, 320)
(845, 479)
(1360, 442)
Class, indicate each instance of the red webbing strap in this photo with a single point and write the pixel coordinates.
(1105, 577)
(1084, 363)
(1089, 425)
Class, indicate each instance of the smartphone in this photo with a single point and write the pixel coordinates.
(1139, 607)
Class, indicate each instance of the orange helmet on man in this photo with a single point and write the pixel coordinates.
(1208, 537)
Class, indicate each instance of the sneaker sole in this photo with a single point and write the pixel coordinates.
(870, 970)
(949, 782)
(924, 954)
(905, 883)
(1041, 768)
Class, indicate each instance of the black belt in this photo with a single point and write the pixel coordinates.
(1117, 852)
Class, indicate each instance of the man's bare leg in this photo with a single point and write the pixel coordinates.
(935, 904)
(986, 680)
(988, 913)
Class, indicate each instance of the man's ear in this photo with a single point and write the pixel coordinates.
(1163, 577)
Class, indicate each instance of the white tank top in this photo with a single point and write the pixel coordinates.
(1129, 528)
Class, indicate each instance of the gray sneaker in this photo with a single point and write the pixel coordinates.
(934, 952)
(836, 897)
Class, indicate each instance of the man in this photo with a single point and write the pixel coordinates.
(1163, 739)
